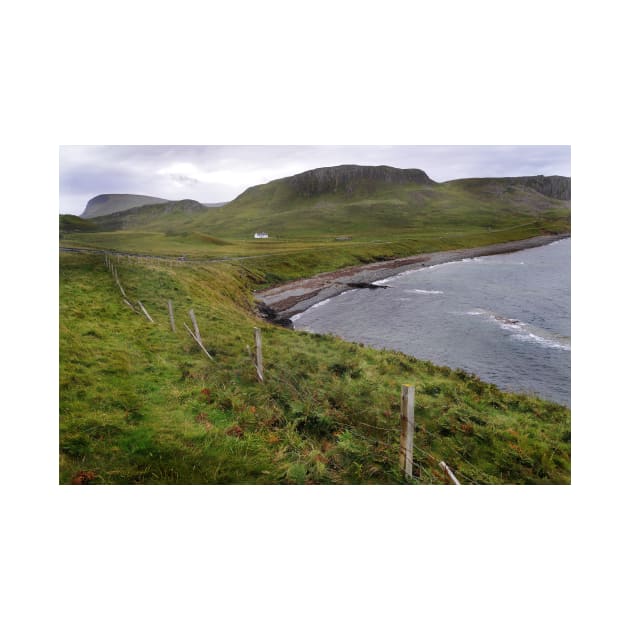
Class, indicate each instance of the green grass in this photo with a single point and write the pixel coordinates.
(390, 222)
(140, 404)
(397, 210)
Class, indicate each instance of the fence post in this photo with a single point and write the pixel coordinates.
(194, 321)
(198, 342)
(407, 428)
(144, 310)
(118, 282)
(449, 472)
(259, 359)
(170, 315)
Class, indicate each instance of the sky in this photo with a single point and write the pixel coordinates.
(220, 173)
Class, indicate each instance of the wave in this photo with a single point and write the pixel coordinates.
(494, 260)
(318, 304)
(297, 316)
(420, 269)
(399, 275)
(426, 291)
(524, 331)
(548, 342)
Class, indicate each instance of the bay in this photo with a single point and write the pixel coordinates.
(506, 318)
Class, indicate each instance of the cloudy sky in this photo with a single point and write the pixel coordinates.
(220, 173)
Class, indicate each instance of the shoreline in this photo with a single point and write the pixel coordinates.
(278, 304)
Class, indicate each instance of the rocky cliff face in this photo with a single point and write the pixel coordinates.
(353, 178)
(555, 186)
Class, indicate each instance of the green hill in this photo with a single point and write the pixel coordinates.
(349, 202)
(69, 223)
(362, 201)
(166, 213)
(141, 404)
(107, 204)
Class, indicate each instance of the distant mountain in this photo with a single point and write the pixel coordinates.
(347, 179)
(354, 199)
(108, 204)
(555, 186)
(362, 201)
(163, 213)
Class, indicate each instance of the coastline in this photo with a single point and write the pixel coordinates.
(278, 304)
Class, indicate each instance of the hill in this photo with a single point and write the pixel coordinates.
(367, 200)
(378, 211)
(141, 404)
(172, 211)
(361, 201)
(71, 223)
(554, 186)
(108, 204)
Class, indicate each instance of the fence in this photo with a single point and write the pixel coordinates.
(407, 398)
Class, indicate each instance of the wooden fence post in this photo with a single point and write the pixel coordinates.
(259, 359)
(407, 428)
(144, 310)
(449, 472)
(118, 283)
(198, 342)
(170, 315)
(194, 321)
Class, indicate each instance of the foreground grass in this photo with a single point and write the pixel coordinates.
(140, 404)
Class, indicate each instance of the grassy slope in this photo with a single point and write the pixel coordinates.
(402, 210)
(280, 260)
(391, 222)
(469, 205)
(139, 404)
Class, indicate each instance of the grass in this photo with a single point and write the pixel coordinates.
(140, 404)
(390, 222)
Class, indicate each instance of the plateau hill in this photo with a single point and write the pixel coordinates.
(370, 200)
(352, 203)
(108, 204)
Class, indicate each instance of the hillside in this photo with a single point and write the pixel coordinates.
(363, 202)
(368, 200)
(175, 212)
(326, 219)
(554, 186)
(107, 204)
(141, 404)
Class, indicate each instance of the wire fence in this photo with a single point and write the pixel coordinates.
(386, 436)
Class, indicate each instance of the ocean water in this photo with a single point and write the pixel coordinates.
(506, 318)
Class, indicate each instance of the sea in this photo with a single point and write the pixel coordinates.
(505, 318)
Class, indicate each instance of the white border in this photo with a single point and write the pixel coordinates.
(342, 73)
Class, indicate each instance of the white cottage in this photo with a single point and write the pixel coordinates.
(261, 235)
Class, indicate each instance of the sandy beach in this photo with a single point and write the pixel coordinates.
(280, 303)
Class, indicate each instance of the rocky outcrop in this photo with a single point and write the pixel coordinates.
(353, 178)
(555, 186)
